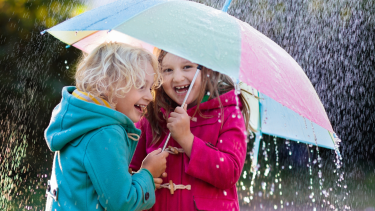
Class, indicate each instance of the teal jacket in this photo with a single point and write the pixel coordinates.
(94, 155)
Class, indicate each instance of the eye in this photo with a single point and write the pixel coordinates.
(167, 70)
(188, 67)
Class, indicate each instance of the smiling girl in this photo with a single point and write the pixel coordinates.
(208, 137)
(93, 134)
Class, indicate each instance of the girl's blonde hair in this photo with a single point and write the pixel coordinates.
(112, 69)
(217, 84)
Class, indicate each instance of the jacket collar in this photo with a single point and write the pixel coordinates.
(211, 108)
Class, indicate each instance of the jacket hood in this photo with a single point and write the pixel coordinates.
(73, 118)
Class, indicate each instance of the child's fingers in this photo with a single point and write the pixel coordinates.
(164, 175)
(171, 119)
(155, 152)
(164, 154)
(173, 114)
(180, 110)
(185, 107)
(158, 180)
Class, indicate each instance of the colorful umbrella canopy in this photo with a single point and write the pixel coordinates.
(287, 105)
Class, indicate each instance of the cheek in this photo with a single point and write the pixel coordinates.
(198, 83)
(196, 89)
(167, 83)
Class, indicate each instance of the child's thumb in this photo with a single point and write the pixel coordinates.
(164, 154)
(155, 152)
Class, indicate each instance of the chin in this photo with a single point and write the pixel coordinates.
(135, 120)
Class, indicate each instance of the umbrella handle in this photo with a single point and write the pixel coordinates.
(186, 97)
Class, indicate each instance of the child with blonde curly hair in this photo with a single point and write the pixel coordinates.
(93, 134)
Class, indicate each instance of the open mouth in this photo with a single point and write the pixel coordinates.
(181, 89)
(140, 107)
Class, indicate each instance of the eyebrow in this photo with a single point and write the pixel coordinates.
(148, 82)
(184, 62)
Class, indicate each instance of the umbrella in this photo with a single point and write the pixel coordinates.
(283, 102)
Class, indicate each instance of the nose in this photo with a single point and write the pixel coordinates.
(178, 75)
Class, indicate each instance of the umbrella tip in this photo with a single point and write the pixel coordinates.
(226, 5)
(43, 32)
(68, 46)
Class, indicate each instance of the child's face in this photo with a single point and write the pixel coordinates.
(177, 76)
(135, 101)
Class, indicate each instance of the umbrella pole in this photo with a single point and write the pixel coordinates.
(226, 5)
(186, 97)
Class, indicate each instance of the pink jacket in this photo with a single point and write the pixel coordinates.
(216, 161)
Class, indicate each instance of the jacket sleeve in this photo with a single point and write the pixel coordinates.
(140, 152)
(220, 165)
(107, 166)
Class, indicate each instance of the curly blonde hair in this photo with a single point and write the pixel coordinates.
(112, 69)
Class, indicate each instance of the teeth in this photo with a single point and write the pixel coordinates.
(181, 87)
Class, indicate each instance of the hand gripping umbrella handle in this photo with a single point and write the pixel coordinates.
(186, 97)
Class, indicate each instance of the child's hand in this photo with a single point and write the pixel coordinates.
(158, 181)
(179, 125)
(155, 162)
